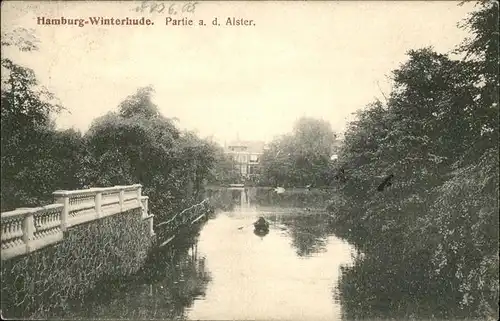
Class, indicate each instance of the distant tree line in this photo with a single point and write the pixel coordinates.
(134, 144)
(430, 240)
(301, 158)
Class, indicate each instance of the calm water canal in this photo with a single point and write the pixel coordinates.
(228, 272)
(289, 273)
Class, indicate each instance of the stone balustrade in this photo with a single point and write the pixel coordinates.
(25, 230)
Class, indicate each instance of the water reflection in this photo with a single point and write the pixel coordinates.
(169, 283)
(294, 198)
(276, 275)
(300, 212)
(229, 270)
(309, 234)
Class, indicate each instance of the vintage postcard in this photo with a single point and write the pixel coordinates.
(249, 160)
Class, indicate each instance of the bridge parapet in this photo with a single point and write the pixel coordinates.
(25, 230)
(82, 206)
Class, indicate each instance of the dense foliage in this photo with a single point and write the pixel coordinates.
(139, 145)
(432, 236)
(301, 158)
(224, 171)
(134, 144)
(35, 159)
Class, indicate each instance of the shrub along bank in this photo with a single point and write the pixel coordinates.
(430, 240)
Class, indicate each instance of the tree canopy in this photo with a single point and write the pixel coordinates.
(135, 143)
(302, 157)
(36, 159)
(437, 225)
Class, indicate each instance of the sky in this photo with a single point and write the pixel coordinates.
(322, 59)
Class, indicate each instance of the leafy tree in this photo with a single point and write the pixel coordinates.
(466, 207)
(436, 227)
(35, 159)
(139, 145)
(139, 104)
(223, 172)
(302, 158)
(481, 52)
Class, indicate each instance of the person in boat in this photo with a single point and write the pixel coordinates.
(261, 224)
(261, 233)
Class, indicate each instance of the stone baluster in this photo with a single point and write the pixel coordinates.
(98, 203)
(28, 230)
(8, 230)
(62, 197)
(145, 205)
(122, 197)
(139, 193)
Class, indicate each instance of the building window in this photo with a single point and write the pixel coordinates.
(254, 158)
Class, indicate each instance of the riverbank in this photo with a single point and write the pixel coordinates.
(388, 279)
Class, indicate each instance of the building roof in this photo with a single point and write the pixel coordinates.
(252, 146)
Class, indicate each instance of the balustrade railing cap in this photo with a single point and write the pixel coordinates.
(19, 212)
(134, 186)
(60, 192)
(95, 190)
(45, 208)
(75, 192)
(38, 208)
(52, 206)
(111, 188)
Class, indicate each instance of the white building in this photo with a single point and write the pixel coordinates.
(246, 156)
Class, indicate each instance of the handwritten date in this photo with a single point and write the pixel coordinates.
(160, 7)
